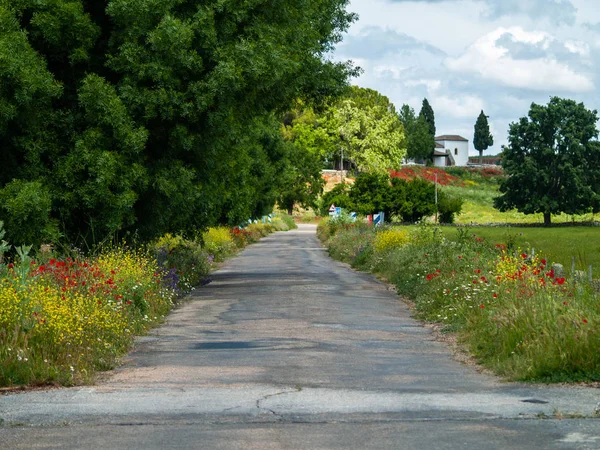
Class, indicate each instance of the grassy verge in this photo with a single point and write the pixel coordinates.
(64, 319)
(514, 312)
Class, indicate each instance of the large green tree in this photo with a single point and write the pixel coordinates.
(367, 129)
(482, 138)
(552, 161)
(155, 115)
(420, 143)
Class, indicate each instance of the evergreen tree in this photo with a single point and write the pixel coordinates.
(483, 138)
(427, 114)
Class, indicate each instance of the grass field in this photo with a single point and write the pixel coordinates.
(478, 208)
(556, 244)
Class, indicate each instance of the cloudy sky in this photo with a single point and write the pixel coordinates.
(465, 56)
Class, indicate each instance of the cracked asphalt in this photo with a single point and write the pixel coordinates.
(287, 349)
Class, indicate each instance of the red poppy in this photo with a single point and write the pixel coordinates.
(482, 306)
(584, 320)
(560, 280)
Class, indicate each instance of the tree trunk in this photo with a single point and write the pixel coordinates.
(290, 208)
(547, 219)
(480, 156)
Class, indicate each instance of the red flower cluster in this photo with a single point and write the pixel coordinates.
(425, 173)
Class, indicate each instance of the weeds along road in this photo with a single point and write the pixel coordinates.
(287, 349)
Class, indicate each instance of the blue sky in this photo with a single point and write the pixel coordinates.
(469, 55)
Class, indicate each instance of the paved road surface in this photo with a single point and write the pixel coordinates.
(287, 349)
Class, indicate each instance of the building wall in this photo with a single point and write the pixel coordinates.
(462, 158)
(439, 161)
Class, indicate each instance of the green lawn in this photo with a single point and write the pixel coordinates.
(556, 244)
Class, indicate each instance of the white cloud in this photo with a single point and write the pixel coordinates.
(431, 85)
(388, 71)
(494, 62)
(578, 47)
(463, 107)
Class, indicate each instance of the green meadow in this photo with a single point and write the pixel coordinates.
(558, 244)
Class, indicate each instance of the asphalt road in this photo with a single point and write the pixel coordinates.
(287, 349)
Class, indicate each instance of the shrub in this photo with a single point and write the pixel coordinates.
(288, 220)
(218, 242)
(390, 239)
(25, 209)
(448, 207)
(183, 263)
(371, 193)
(338, 196)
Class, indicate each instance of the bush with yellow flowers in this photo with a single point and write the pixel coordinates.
(390, 239)
(219, 242)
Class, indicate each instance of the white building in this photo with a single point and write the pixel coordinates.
(451, 150)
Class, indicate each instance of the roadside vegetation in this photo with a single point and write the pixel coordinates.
(64, 318)
(518, 315)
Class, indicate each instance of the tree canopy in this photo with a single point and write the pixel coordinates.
(552, 161)
(154, 115)
(372, 138)
(482, 138)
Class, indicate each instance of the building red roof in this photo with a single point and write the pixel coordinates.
(451, 137)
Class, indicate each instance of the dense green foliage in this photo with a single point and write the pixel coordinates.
(408, 201)
(552, 161)
(153, 115)
(482, 138)
(420, 143)
(300, 175)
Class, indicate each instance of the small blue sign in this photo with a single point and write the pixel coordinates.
(338, 211)
(353, 216)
